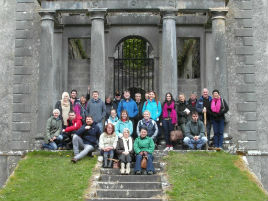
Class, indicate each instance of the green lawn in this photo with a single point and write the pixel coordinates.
(49, 176)
(197, 176)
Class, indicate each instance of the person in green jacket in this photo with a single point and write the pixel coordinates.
(144, 147)
(54, 127)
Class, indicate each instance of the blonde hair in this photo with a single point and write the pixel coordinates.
(64, 94)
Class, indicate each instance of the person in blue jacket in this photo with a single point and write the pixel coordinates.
(129, 105)
(153, 106)
(123, 123)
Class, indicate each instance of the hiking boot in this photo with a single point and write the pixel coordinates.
(170, 148)
(150, 172)
(110, 163)
(128, 168)
(73, 160)
(105, 162)
(138, 172)
(166, 149)
(122, 170)
(145, 173)
(218, 149)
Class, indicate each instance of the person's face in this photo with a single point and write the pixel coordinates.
(83, 100)
(95, 96)
(146, 115)
(138, 97)
(126, 95)
(143, 133)
(146, 96)
(181, 98)
(113, 113)
(205, 93)
(193, 97)
(89, 121)
(117, 97)
(56, 114)
(124, 116)
(72, 116)
(109, 129)
(108, 100)
(125, 134)
(66, 98)
(168, 97)
(151, 95)
(195, 117)
(73, 95)
(216, 95)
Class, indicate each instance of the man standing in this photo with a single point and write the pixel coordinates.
(86, 138)
(139, 115)
(96, 108)
(74, 98)
(129, 105)
(195, 133)
(203, 106)
(117, 99)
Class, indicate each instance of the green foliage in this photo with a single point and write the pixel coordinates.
(199, 176)
(80, 48)
(48, 176)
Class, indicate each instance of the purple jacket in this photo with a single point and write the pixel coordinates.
(172, 113)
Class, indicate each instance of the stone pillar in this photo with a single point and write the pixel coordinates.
(219, 59)
(97, 55)
(168, 70)
(46, 92)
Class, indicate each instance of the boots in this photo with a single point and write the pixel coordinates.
(110, 164)
(122, 170)
(105, 162)
(128, 168)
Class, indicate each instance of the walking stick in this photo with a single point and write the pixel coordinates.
(205, 123)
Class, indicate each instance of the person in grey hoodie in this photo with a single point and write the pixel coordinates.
(195, 132)
(97, 109)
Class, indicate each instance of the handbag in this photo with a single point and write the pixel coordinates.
(116, 164)
(176, 135)
(144, 162)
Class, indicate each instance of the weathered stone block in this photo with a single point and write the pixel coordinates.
(20, 7)
(22, 71)
(23, 34)
(18, 98)
(21, 126)
(19, 61)
(21, 135)
(248, 41)
(20, 108)
(245, 5)
(22, 117)
(246, 107)
(247, 23)
(249, 88)
(251, 135)
(24, 25)
(245, 14)
(20, 79)
(23, 16)
(19, 145)
(25, 1)
(250, 59)
(251, 116)
(248, 50)
(23, 52)
(248, 69)
(249, 78)
(19, 43)
(249, 97)
(21, 89)
(247, 126)
(244, 32)
(251, 145)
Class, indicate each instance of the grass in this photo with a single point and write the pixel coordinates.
(197, 176)
(48, 176)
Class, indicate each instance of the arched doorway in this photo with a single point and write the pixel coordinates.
(133, 65)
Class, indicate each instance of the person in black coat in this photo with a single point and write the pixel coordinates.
(182, 112)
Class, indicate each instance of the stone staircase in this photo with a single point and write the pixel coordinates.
(111, 185)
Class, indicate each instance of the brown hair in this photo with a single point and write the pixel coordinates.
(109, 124)
(156, 100)
(124, 112)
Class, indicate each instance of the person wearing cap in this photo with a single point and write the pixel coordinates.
(117, 99)
(218, 108)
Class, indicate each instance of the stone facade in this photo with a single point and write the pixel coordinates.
(35, 68)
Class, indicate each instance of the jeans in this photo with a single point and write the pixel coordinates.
(168, 127)
(218, 127)
(77, 144)
(53, 145)
(125, 158)
(150, 166)
(100, 126)
(191, 142)
(108, 153)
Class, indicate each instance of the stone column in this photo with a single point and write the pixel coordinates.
(220, 72)
(168, 70)
(97, 55)
(46, 92)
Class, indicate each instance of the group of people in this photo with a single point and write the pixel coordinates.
(131, 127)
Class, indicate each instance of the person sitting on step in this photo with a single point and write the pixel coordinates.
(107, 145)
(124, 150)
(195, 132)
(144, 147)
(86, 138)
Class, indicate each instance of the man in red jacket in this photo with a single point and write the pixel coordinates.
(74, 122)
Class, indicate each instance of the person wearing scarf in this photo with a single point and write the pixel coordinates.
(218, 108)
(124, 150)
(169, 115)
(64, 106)
(54, 126)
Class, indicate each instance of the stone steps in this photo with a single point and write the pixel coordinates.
(124, 199)
(129, 178)
(130, 185)
(119, 193)
(113, 171)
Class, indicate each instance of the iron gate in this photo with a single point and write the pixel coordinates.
(133, 67)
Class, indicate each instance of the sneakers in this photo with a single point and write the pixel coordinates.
(150, 172)
(138, 172)
(167, 148)
(74, 160)
(171, 149)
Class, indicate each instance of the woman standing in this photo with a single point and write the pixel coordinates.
(153, 106)
(124, 122)
(64, 106)
(169, 119)
(218, 108)
(124, 149)
(80, 108)
(107, 144)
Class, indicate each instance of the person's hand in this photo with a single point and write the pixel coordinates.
(63, 130)
(87, 127)
(176, 124)
(54, 138)
(204, 110)
(141, 153)
(51, 140)
(196, 137)
(145, 153)
(160, 124)
(125, 152)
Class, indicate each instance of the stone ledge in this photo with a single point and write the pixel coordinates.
(244, 14)
(248, 50)
(244, 32)
(247, 69)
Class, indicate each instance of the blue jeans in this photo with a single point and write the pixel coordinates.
(191, 142)
(108, 153)
(53, 145)
(100, 126)
(218, 127)
(168, 127)
(150, 165)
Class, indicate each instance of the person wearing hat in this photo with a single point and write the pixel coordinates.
(117, 99)
(218, 108)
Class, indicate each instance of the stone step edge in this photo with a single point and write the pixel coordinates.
(130, 190)
(123, 182)
(129, 199)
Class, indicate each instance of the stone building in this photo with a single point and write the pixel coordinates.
(48, 47)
